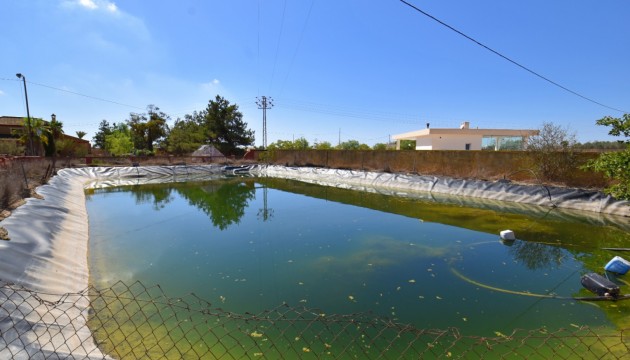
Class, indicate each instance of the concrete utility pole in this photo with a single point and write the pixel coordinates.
(28, 114)
(264, 103)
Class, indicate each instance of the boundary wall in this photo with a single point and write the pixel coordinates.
(484, 165)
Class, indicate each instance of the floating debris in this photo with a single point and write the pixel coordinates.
(256, 334)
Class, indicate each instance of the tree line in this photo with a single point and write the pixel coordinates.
(220, 124)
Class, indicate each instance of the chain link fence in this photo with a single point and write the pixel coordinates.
(139, 322)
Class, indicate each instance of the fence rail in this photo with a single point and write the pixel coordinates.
(139, 322)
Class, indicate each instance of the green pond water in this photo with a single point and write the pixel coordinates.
(247, 245)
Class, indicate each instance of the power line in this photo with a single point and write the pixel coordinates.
(87, 96)
(275, 60)
(308, 16)
(508, 59)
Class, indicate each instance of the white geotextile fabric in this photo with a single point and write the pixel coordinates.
(566, 198)
(47, 252)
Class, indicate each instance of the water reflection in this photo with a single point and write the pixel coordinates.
(535, 255)
(157, 195)
(223, 202)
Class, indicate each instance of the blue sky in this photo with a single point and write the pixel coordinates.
(360, 69)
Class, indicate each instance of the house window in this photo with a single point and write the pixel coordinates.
(468, 146)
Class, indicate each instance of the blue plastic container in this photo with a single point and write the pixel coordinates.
(618, 265)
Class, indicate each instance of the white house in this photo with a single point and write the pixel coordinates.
(466, 138)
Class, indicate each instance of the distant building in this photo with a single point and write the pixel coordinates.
(466, 138)
(9, 125)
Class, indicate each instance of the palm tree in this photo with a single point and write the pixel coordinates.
(81, 134)
(39, 131)
(55, 130)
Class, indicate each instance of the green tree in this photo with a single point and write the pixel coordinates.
(148, 129)
(379, 146)
(119, 142)
(81, 134)
(301, 144)
(601, 145)
(349, 145)
(224, 126)
(615, 165)
(185, 137)
(104, 129)
(281, 145)
(619, 126)
(297, 144)
(324, 145)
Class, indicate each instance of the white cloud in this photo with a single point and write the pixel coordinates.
(89, 4)
(211, 85)
(102, 5)
(1, 92)
(111, 7)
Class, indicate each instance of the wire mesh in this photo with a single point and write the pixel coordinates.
(139, 322)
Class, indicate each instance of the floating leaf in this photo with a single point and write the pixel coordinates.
(306, 350)
(256, 334)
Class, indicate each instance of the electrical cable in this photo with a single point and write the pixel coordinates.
(525, 293)
(308, 16)
(530, 294)
(508, 59)
(275, 60)
(87, 96)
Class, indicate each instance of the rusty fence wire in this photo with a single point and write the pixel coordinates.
(139, 322)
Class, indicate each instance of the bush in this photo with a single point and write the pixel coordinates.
(553, 152)
(616, 166)
(10, 147)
